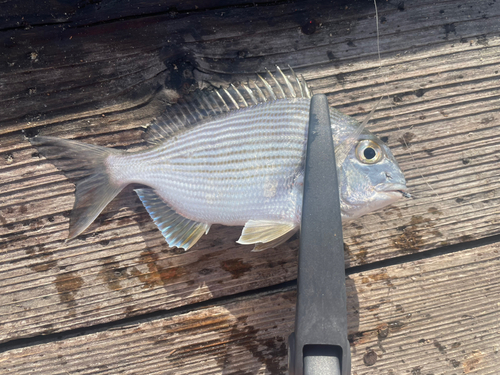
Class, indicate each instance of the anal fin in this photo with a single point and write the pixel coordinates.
(266, 233)
(177, 230)
(261, 246)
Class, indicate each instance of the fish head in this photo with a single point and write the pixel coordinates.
(369, 178)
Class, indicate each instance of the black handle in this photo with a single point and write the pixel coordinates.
(319, 342)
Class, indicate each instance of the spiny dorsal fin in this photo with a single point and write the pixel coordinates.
(204, 105)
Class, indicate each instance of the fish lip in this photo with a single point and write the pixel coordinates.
(394, 188)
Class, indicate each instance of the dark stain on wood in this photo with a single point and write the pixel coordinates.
(370, 358)
(427, 151)
(277, 263)
(406, 139)
(354, 338)
(436, 233)
(48, 329)
(341, 78)
(157, 275)
(466, 238)
(419, 93)
(482, 40)
(267, 351)
(472, 360)
(309, 27)
(391, 210)
(290, 297)
(356, 226)
(383, 331)
(411, 240)
(397, 98)
(129, 311)
(111, 273)
(44, 266)
(441, 348)
(205, 271)
(347, 249)
(216, 242)
(362, 254)
(211, 254)
(449, 28)
(396, 326)
(380, 276)
(487, 120)
(9, 158)
(434, 211)
(42, 258)
(236, 267)
(67, 285)
(12, 239)
(190, 326)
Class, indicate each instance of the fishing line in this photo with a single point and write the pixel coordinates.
(388, 97)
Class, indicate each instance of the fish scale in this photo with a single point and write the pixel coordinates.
(243, 155)
(219, 160)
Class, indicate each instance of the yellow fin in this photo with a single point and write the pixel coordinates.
(263, 231)
(274, 243)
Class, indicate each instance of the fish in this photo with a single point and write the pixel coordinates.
(233, 156)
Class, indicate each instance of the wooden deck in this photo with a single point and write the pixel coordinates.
(423, 278)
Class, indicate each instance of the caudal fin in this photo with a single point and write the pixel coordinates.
(86, 165)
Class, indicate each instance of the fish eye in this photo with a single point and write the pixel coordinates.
(368, 152)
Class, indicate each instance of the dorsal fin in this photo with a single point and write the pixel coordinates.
(203, 104)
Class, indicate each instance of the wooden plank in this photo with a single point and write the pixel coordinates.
(23, 15)
(433, 316)
(100, 84)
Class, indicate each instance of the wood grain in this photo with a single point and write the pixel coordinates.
(434, 316)
(101, 82)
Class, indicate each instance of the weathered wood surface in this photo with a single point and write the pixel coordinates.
(99, 74)
(438, 315)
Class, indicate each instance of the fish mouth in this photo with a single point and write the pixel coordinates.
(399, 189)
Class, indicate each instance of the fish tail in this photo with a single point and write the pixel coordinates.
(86, 165)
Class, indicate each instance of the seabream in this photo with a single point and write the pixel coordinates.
(232, 156)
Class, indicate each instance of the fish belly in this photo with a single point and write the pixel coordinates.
(247, 165)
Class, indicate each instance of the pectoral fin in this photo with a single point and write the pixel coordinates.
(177, 230)
(263, 232)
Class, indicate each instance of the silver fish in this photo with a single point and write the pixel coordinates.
(232, 156)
